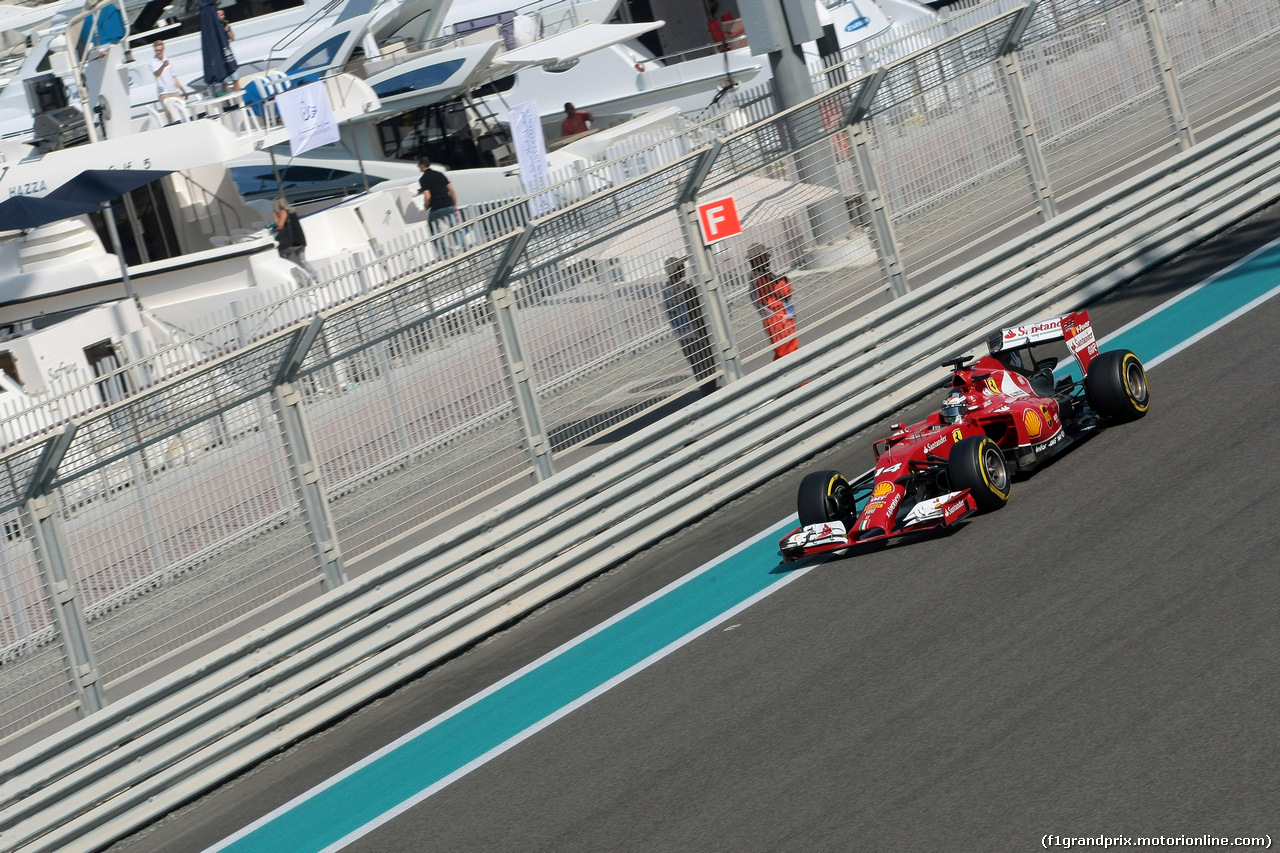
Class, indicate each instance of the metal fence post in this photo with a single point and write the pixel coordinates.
(62, 588)
(524, 395)
(706, 278)
(881, 226)
(1023, 122)
(1168, 80)
(301, 452)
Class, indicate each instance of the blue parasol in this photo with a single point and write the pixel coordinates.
(219, 62)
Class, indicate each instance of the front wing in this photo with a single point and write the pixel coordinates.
(943, 511)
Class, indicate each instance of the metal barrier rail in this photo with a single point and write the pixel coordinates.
(130, 763)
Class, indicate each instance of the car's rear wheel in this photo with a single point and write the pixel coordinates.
(978, 464)
(824, 496)
(1117, 386)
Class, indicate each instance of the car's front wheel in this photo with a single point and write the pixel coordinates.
(978, 464)
(824, 496)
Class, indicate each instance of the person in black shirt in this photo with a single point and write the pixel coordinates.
(438, 196)
(439, 200)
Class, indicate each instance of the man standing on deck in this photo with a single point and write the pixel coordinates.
(168, 86)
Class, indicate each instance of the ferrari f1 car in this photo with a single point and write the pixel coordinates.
(1003, 413)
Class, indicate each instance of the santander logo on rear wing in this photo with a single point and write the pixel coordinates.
(1074, 328)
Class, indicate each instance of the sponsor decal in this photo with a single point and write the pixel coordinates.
(957, 434)
(881, 489)
(1040, 448)
(934, 444)
(892, 508)
(1081, 338)
(873, 505)
(1033, 330)
(930, 509)
(857, 24)
(1032, 422)
(950, 511)
(1001, 409)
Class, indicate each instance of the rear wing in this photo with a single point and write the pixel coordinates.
(1074, 328)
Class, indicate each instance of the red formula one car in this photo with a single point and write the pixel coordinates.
(1004, 412)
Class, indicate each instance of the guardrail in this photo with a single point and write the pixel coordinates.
(126, 765)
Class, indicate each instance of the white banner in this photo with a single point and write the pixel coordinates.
(531, 154)
(308, 116)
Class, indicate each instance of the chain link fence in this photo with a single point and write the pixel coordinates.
(411, 389)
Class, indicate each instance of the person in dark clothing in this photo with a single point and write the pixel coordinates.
(684, 312)
(439, 200)
(438, 197)
(291, 241)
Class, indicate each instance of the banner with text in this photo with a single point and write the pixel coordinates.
(531, 155)
(308, 116)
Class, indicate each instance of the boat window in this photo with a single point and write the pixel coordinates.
(104, 362)
(502, 84)
(426, 77)
(483, 23)
(10, 366)
(321, 56)
(442, 132)
(304, 174)
(301, 183)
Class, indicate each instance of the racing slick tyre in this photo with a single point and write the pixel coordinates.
(824, 496)
(977, 464)
(1117, 386)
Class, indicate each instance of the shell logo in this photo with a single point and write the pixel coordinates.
(881, 490)
(1032, 422)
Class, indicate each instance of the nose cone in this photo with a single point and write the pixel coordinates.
(877, 517)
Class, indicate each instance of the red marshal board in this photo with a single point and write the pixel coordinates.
(718, 219)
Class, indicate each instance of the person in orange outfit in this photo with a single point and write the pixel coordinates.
(772, 297)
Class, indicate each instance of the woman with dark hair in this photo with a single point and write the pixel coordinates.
(291, 241)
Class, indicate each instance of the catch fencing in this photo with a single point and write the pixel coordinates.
(213, 496)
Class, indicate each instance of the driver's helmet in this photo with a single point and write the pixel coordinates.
(954, 407)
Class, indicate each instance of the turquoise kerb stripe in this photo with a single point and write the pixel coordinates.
(1214, 301)
(456, 741)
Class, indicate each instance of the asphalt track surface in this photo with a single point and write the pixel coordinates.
(1098, 658)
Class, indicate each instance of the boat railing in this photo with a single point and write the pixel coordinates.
(688, 55)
